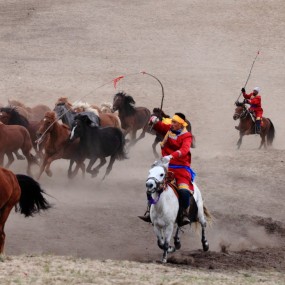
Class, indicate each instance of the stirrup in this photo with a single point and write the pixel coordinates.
(145, 218)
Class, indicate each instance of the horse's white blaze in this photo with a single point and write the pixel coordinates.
(72, 132)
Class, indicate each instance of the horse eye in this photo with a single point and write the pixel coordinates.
(161, 175)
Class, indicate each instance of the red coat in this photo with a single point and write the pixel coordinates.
(179, 147)
(255, 103)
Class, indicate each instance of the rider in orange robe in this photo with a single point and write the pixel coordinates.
(255, 106)
(175, 149)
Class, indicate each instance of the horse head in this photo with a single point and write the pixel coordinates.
(10, 116)
(240, 111)
(157, 176)
(46, 125)
(122, 100)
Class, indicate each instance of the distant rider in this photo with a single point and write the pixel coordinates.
(254, 99)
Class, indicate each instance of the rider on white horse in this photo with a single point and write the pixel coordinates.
(175, 149)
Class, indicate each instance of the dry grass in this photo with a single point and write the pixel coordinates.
(58, 270)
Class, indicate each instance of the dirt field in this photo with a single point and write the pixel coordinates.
(202, 52)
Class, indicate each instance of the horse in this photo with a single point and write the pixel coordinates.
(163, 199)
(35, 113)
(247, 126)
(65, 111)
(58, 145)
(12, 138)
(23, 193)
(10, 116)
(158, 138)
(132, 118)
(106, 119)
(97, 142)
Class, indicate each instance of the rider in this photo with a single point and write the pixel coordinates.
(175, 149)
(255, 106)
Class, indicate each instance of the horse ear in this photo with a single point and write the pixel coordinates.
(130, 100)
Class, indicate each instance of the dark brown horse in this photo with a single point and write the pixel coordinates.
(158, 138)
(58, 145)
(12, 138)
(132, 118)
(35, 113)
(10, 116)
(247, 126)
(21, 192)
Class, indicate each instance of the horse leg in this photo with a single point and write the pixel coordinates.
(4, 213)
(42, 166)
(95, 171)
(19, 156)
(10, 159)
(160, 239)
(110, 166)
(154, 144)
(263, 142)
(177, 242)
(239, 141)
(203, 239)
(166, 247)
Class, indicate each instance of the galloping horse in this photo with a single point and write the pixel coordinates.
(247, 126)
(164, 209)
(20, 191)
(35, 113)
(97, 142)
(12, 138)
(64, 110)
(58, 145)
(132, 118)
(158, 138)
(10, 116)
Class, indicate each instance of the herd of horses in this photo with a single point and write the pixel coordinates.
(78, 132)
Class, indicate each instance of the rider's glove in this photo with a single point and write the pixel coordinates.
(242, 90)
(166, 159)
(153, 120)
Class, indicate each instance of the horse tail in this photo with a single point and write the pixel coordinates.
(271, 133)
(32, 200)
(121, 153)
(207, 213)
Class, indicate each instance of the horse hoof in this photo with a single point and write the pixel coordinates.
(164, 260)
(206, 246)
(177, 245)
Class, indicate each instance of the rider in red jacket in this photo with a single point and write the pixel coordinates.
(175, 149)
(255, 106)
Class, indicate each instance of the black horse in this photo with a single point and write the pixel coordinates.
(97, 142)
(158, 138)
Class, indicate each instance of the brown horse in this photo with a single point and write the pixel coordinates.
(58, 145)
(12, 138)
(247, 126)
(158, 138)
(35, 113)
(10, 116)
(132, 118)
(21, 192)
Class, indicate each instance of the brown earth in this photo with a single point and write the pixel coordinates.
(202, 51)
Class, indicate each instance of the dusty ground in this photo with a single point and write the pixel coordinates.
(202, 51)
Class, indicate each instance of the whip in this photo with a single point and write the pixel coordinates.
(248, 75)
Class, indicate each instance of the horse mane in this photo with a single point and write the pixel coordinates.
(85, 106)
(16, 103)
(15, 117)
(64, 100)
(128, 101)
(50, 115)
(106, 107)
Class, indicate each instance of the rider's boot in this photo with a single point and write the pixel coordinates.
(183, 217)
(257, 126)
(146, 216)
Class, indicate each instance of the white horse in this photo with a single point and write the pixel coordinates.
(164, 209)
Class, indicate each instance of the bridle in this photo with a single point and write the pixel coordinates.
(241, 115)
(158, 189)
